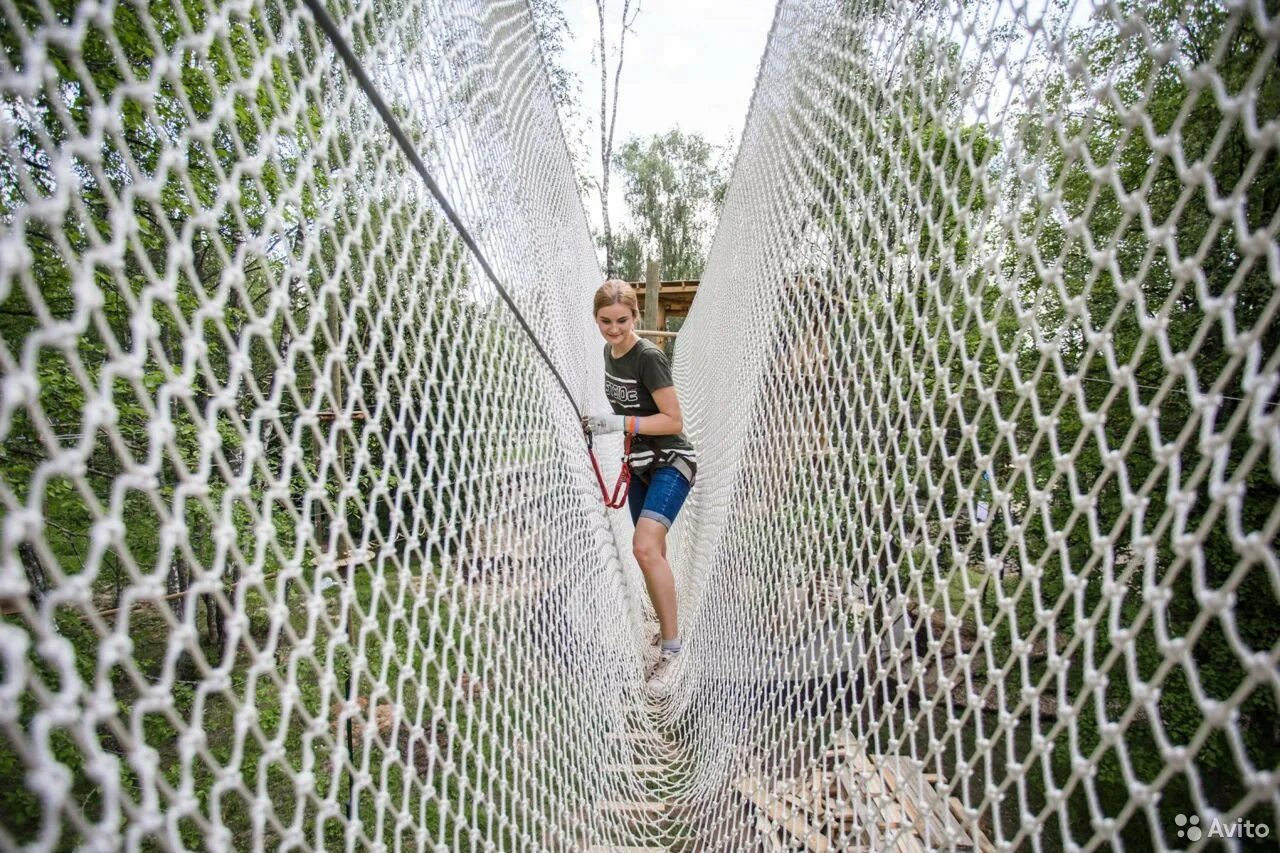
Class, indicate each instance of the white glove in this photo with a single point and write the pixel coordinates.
(603, 424)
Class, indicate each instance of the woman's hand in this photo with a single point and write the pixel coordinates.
(603, 424)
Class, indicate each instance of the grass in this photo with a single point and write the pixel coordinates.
(275, 725)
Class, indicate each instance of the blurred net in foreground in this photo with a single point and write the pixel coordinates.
(300, 549)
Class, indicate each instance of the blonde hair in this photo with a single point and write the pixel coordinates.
(615, 291)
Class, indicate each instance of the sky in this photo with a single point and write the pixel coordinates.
(689, 63)
(692, 64)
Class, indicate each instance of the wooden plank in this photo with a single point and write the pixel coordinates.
(908, 842)
(904, 797)
(823, 783)
(845, 738)
(818, 798)
(860, 784)
(975, 831)
(814, 807)
(911, 841)
(635, 768)
(646, 747)
(896, 795)
(938, 824)
(932, 818)
(939, 818)
(863, 764)
(869, 793)
(645, 808)
(891, 815)
(769, 833)
(753, 788)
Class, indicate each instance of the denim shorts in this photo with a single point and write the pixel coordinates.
(660, 499)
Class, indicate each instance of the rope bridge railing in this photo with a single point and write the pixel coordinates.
(1009, 435)
(293, 524)
(301, 548)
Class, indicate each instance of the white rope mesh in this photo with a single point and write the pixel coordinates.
(301, 550)
(983, 371)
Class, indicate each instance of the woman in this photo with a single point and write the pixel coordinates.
(662, 461)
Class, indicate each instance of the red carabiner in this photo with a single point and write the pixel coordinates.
(623, 486)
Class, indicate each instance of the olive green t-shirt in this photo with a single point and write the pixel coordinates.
(629, 383)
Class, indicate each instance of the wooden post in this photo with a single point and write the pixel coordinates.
(652, 283)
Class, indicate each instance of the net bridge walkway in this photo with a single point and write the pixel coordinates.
(300, 547)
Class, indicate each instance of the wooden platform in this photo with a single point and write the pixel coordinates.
(675, 297)
(855, 801)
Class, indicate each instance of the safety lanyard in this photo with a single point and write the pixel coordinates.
(623, 486)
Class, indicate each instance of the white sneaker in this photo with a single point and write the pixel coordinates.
(662, 676)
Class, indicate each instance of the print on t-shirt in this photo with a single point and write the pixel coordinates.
(629, 383)
(621, 391)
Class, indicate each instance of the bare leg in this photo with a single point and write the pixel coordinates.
(650, 547)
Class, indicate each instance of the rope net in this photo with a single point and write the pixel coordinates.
(301, 548)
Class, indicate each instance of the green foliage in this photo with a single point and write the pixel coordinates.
(552, 30)
(903, 197)
(250, 232)
(629, 255)
(1106, 300)
(674, 185)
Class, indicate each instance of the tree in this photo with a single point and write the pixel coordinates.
(900, 229)
(233, 264)
(609, 114)
(1142, 286)
(674, 186)
(629, 255)
(552, 31)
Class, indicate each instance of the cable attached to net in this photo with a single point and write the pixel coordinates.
(326, 23)
(623, 486)
(330, 28)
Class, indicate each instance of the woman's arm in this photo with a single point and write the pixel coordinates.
(668, 421)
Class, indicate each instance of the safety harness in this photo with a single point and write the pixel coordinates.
(623, 486)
